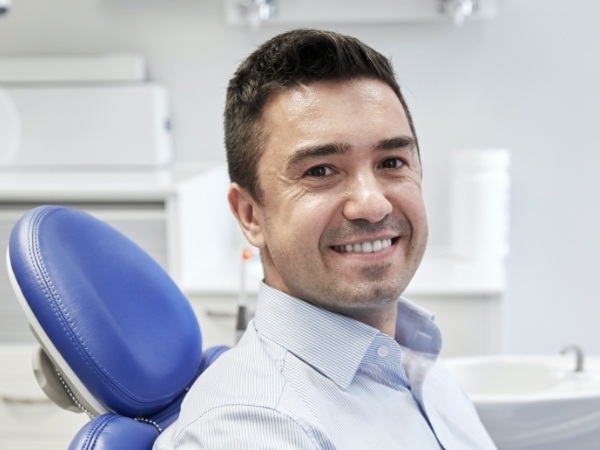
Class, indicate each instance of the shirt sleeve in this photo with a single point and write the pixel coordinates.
(248, 427)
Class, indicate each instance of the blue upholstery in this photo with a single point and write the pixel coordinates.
(114, 432)
(120, 332)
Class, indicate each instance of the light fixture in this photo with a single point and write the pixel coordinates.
(255, 12)
(459, 10)
(4, 6)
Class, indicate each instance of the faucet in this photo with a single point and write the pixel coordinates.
(579, 357)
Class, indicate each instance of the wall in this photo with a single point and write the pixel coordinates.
(527, 81)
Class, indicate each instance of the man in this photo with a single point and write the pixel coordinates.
(326, 181)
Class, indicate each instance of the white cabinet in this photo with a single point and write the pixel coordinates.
(160, 210)
(28, 420)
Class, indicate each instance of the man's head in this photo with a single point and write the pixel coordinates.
(328, 184)
(287, 60)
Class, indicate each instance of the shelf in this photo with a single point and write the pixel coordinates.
(91, 185)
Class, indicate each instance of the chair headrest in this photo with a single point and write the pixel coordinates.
(102, 306)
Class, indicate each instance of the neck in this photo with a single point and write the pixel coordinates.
(383, 319)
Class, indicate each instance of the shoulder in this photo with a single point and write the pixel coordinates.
(242, 401)
(249, 373)
(244, 426)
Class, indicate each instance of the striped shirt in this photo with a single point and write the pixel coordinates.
(306, 378)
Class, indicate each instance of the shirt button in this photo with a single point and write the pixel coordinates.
(383, 351)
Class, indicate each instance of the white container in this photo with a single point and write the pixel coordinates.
(103, 68)
(480, 203)
(108, 126)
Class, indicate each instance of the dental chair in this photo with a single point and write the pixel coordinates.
(118, 340)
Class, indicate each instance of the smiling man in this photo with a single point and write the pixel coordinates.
(341, 222)
(326, 181)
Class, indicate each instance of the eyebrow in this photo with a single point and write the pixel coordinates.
(315, 152)
(400, 142)
(303, 154)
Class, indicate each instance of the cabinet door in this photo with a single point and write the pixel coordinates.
(145, 223)
(28, 419)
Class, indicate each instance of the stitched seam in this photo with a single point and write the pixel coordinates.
(94, 434)
(45, 283)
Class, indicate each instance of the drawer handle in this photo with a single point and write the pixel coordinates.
(224, 314)
(11, 399)
(220, 314)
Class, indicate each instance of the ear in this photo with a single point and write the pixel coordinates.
(248, 214)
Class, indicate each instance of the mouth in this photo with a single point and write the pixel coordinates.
(366, 246)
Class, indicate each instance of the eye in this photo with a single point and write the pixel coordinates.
(319, 171)
(392, 163)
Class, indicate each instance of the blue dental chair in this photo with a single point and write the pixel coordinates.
(118, 340)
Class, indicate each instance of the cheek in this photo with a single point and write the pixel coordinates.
(301, 221)
(415, 212)
(409, 199)
(417, 208)
(409, 203)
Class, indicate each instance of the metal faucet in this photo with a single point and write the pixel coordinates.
(579, 357)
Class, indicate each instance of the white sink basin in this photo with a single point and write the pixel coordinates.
(534, 402)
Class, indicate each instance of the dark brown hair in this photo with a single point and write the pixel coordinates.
(292, 58)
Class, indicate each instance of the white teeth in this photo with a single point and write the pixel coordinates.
(364, 247)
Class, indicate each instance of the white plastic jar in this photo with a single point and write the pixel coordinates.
(480, 203)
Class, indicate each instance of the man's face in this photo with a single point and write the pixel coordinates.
(342, 223)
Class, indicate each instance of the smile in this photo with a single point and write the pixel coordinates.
(364, 247)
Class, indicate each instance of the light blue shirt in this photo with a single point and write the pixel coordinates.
(306, 378)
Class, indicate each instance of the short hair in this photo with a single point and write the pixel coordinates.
(285, 61)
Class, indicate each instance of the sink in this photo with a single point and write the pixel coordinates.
(534, 402)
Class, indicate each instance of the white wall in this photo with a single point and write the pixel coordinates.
(528, 81)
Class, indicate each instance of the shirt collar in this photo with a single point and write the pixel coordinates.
(333, 344)
(416, 329)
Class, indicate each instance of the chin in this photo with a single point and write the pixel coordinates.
(372, 295)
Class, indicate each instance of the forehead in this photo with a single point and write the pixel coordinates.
(330, 94)
(355, 113)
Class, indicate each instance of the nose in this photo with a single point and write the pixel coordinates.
(367, 200)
